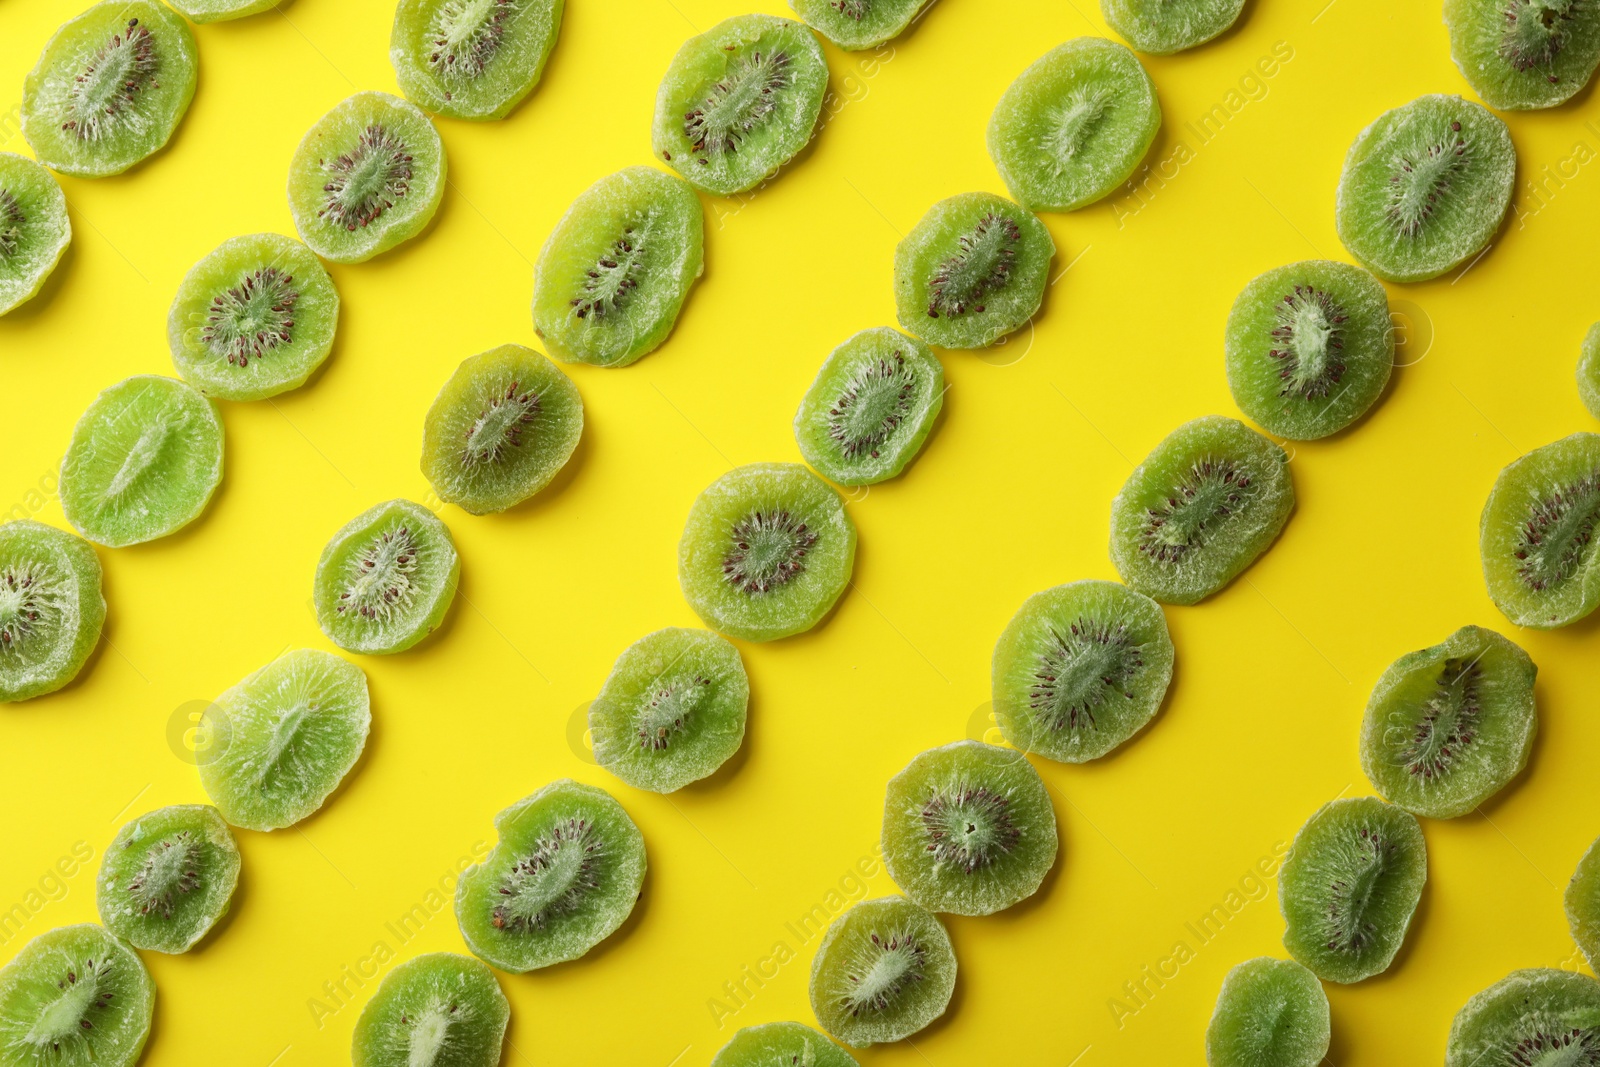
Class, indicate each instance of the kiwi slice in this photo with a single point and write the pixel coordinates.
(971, 271)
(1539, 1017)
(1074, 126)
(437, 1010)
(51, 608)
(500, 429)
(781, 1045)
(1583, 904)
(871, 407)
(386, 579)
(168, 877)
(1270, 1013)
(144, 460)
(1309, 347)
(203, 11)
(75, 997)
(766, 552)
(617, 268)
(1349, 886)
(884, 970)
(1424, 187)
(369, 175)
(1162, 27)
(34, 229)
(672, 710)
(739, 101)
(472, 59)
(564, 875)
(1589, 371)
(253, 319)
(1209, 499)
(855, 25)
(1522, 54)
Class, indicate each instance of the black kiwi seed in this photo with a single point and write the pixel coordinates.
(769, 550)
(1080, 671)
(581, 877)
(368, 180)
(738, 103)
(121, 68)
(981, 266)
(1309, 341)
(467, 54)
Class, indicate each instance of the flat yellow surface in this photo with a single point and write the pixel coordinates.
(1011, 495)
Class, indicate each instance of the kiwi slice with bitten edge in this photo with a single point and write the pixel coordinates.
(1582, 901)
(168, 877)
(1161, 27)
(75, 996)
(472, 59)
(204, 11)
(1521, 54)
(1589, 371)
(1536, 535)
(51, 608)
(1269, 1013)
(386, 580)
(1540, 1017)
(34, 229)
(884, 970)
(436, 1010)
(781, 1045)
(855, 25)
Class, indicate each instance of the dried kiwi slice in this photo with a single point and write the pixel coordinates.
(1589, 371)
(472, 59)
(766, 552)
(1539, 1017)
(203, 11)
(1424, 187)
(144, 460)
(885, 969)
(253, 319)
(34, 229)
(75, 997)
(858, 24)
(503, 425)
(1349, 886)
(51, 608)
(1536, 536)
(617, 268)
(781, 1045)
(564, 875)
(369, 175)
(1074, 125)
(386, 579)
(871, 407)
(168, 877)
(1583, 904)
(672, 710)
(1270, 1013)
(437, 1010)
(1521, 54)
(1161, 27)
(1309, 348)
(739, 101)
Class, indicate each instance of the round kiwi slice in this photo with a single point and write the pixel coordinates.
(51, 608)
(168, 877)
(1161, 27)
(617, 268)
(500, 429)
(1349, 886)
(973, 270)
(387, 579)
(1074, 126)
(1209, 499)
(369, 175)
(253, 319)
(885, 969)
(739, 101)
(781, 1045)
(34, 229)
(1080, 669)
(437, 1010)
(75, 997)
(871, 407)
(1424, 187)
(144, 460)
(1309, 347)
(1589, 371)
(1521, 54)
(766, 552)
(1583, 904)
(472, 59)
(203, 11)
(564, 875)
(855, 25)
(1539, 1017)
(1270, 1013)
(672, 710)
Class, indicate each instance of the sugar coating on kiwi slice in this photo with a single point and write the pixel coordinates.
(437, 1010)
(34, 229)
(51, 608)
(472, 59)
(855, 25)
(1582, 900)
(781, 1045)
(884, 970)
(672, 710)
(168, 877)
(1269, 1013)
(1521, 54)
(739, 101)
(616, 270)
(386, 580)
(204, 11)
(1161, 27)
(1589, 371)
(1539, 1017)
(75, 996)
(564, 875)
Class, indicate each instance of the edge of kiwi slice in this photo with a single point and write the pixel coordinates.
(202, 12)
(35, 229)
(1589, 370)
(856, 25)
(50, 591)
(168, 877)
(884, 970)
(1269, 1013)
(472, 60)
(1581, 901)
(440, 1009)
(1536, 1016)
(781, 1045)
(75, 995)
(1160, 28)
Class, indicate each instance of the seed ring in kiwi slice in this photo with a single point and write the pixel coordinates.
(168, 877)
(1536, 535)
(1269, 1013)
(472, 59)
(75, 996)
(440, 1009)
(1521, 54)
(1537, 1016)
(884, 970)
(387, 579)
(51, 608)
(34, 229)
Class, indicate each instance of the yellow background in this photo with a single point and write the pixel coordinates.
(1010, 496)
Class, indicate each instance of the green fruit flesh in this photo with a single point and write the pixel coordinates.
(34, 229)
(885, 969)
(858, 24)
(168, 877)
(1535, 1018)
(1161, 27)
(437, 1010)
(781, 1045)
(1536, 536)
(51, 608)
(1270, 1013)
(204, 11)
(75, 997)
(1521, 54)
(472, 59)
(1589, 371)
(386, 579)
(1583, 905)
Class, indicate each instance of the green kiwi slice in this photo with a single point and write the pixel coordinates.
(168, 877)
(386, 579)
(1424, 187)
(437, 1010)
(51, 608)
(1521, 54)
(1582, 901)
(1589, 371)
(110, 88)
(855, 25)
(1074, 125)
(1536, 536)
(767, 550)
(1349, 886)
(472, 59)
(618, 267)
(1540, 1017)
(34, 229)
(971, 271)
(672, 710)
(871, 407)
(204, 11)
(144, 460)
(564, 875)
(884, 970)
(503, 425)
(1162, 27)
(739, 101)
(253, 319)
(1309, 348)
(1270, 1013)
(781, 1045)
(75, 997)
(368, 176)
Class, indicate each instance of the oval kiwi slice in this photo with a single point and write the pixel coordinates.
(858, 24)
(1582, 902)
(564, 875)
(51, 608)
(781, 1045)
(884, 970)
(73, 997)
(1161, 27)
(1589, 371)
(387, 579)
(204, 11)
(144, 460)
(1521, 54)
(168, 877)
(369, 175)
(1270, 1013)
(1424, 187)
(34, 229)
(437, 1010)
(672, 710)
(739, 101)
(472, 59)
(1349, 886)
(617, 268)
(1535, 1017)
